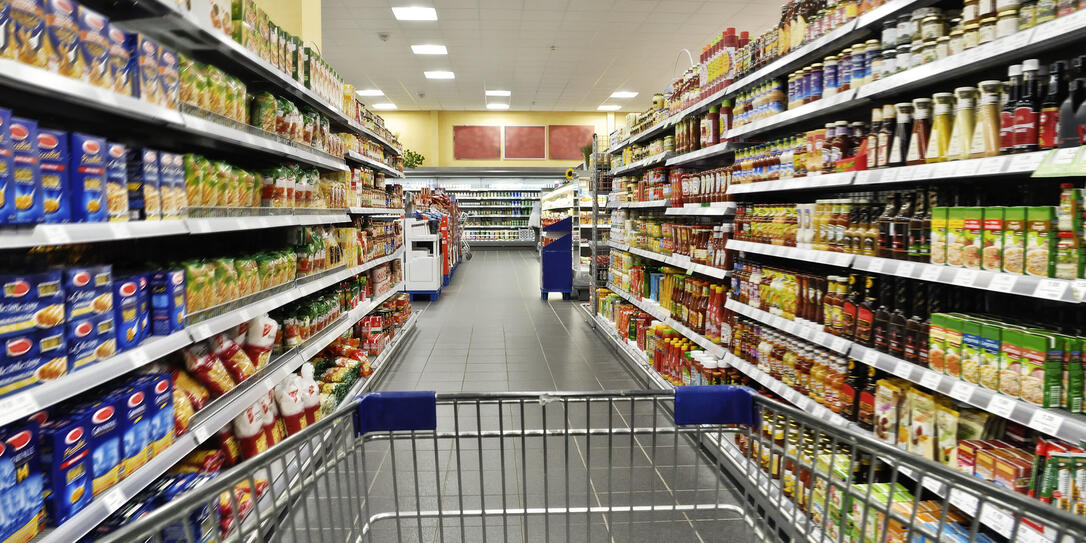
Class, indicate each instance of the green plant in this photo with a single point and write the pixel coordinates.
(412, 159)
(587, 152)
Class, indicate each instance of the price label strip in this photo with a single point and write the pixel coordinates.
(962, 391)
(1002, 405)
(1045, 421)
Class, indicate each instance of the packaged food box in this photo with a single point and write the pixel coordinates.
(121, 70)
(887, 400)
(117, 182)
(107, 337)
(54, 160)
(1014, 239)
(1013, 474)
(88, 179)
(62, 37)
(144, 196)
(992, 240)
(126, 314)
(82, 340)
(7, 50)
(214, 14)
(946, 435)
(160, 411)
(32, 357)
(1075, 374)
(922, 433)
(1010, 364)
(171, 188)
(1068, 259)
(28, 32)
(939, 234)
(133, 402)
(952, 345)
(94, 48)
(65, 463)
(169, 77)
(967, 455)
(27, 168)
(7, 168)
(972, 234)
(971, 349)
(167, 302)
(104, 442)
(1042, 368)
(1041, 241)
(143, 295)
(22, 483)
(143, 68)
(31, 301)
(990, 347)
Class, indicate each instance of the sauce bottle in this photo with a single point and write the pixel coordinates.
(986, 132)
(1076, 95)
(865, 314)
(900, 237)
(941, 126)
(1027, 109)
(962, 135)
(872, 139)
(840, 145)
(880, 329)
(865, 409)
(1006, 120)
(1048, 129)
(886, 136)
(849, 306)
(870, 242)
(898, 320)
(902, 134)
(827, 148)
(885, 227)
(919, 230)
(918, 142)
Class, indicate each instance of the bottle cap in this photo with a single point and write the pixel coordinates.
(1030, 64)
(1014, 70)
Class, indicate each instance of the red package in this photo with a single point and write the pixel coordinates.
(249, 431)
(208, 369)
(229, 446)
(268, 419)
(182, 411)
(195, 392)
(233, 358)
(203, 461)
(288, 396)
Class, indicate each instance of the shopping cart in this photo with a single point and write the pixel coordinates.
(697, 464)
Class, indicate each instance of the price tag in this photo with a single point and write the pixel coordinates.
(996, 519)
(269, 385)
(922, 172)
(19, 405)
(965, 277)
(863, 178)
(961, 391)
(965, 502)
(201, 434)
(1002, 405)
(871, 357)
(931, 273)
(991, 165)
(138, 358)
(114, 499)
(1002, 282)
(57, 234)
(889, 175)
(840, 344)
(874, 265)
(1026, 162)
(1045, 421)
(842, 259)
(931, 380)
(905, 269)
(1078, 288)
(903, 369)
(1051, 289)
(966, 168)
(777, 387)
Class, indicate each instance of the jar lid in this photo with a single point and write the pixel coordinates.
(931, 18)
(973, 26)
(831, 58)
(942, 95)
(988, 21)
(919, 101)
(956, 32)
(872, 42)
(1009, 12)
(942, 39)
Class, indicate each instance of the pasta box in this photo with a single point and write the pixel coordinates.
(167, 302)
(31, 301)
(144, 196)
(107, 338)
(7, 168)
(82, 338)
(126, 316)
(104, 442)
(133, 402)
(65, 463)
(62, 37)
(1041, 241)
(28, 31)
(88, 178)
(117, 182)
(6, 49)
(27, 169)
(120, 68)
(143, 69)
(169, 77)
(94, 48)
(22, 483)
(160, 411)
(53, 159)
(143, 296)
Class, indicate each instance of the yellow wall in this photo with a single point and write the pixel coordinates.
(430, 133)
(299, 17)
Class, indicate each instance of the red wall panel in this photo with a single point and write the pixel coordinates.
(472, 142)
(566, 140)
(525, 142)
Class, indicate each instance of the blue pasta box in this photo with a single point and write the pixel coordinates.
(167, 302)
(144, 297)
(31, 358)
(126, 315)
(7, 168)
(82, 338)
(169, 77)
(107, 338)
(87, 178)
(104, 442)
(202, 523)
(144, 196)
(134, 404)
(54, 158)
(172, 184)
(143, 69)
(65, 464)
(88, 290)
(160, 411)
(6, 49)
(28, 301)
(94, 47)
(117, 182)
(28, 32)
(119, 57)
(21, 484)
(27, 169)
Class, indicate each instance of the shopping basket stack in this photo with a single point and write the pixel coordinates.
(697, 464)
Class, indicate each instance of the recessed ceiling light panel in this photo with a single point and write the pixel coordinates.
(439, 75)
(415, 13)
(370, 92)
(496, 105)
(609, 107)
(429, 49)
(498, 93)
(384, 106)
(623, 94)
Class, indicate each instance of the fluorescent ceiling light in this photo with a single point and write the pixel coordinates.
(429, 49)
(498, 93)
(439, 75)
(414, 13)
(370, 92)
(497, 105)
(609, 107)
(384, 105)
(623, 94)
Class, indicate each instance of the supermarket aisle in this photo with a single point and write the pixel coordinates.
(490, 332)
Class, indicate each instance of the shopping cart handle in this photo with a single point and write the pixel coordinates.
(395, 411)
(715, 404)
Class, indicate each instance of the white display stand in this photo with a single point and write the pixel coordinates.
(422, 259)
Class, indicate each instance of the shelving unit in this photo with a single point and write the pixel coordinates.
(480, 204)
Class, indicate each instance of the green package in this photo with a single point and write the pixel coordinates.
(938, 234)
(1010, 380)
(1014, 239)
(990, 339)
(992, 246)
(1041, 368)
(972, 236)
(1041, 241)
(955, 237)
(952, 330)
(971, 350)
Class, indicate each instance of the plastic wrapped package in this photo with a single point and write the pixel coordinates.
(311, 396)
(261, 339)
(208, 369)
(264, 112)
(225, 280)
(183, 411)
(228, 444)
(249, 431)
(288, 397)
(201, 461)
(197, 394)
(232, 357)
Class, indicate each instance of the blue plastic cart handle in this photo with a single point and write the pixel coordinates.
(715, 404)
(395, 411)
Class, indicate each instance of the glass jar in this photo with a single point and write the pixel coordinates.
(970, 35)
(904, 57)
(844, 70)
(961, 137)
(876, 67)
(1003, 5)
(927, 52)
(816, 82)
(987, 30)
(904, 35)
(829, 76)
(942, 47)
(932, 27)
(985, 9)
(1027, 14)
(1007, 23)
(914, 24)
(859, 60)
(969, 11)
(1044, 12)
(957, 41)
(889, 63)
(872, 49)
(916, 57)
(986, 137)
(941, 126)
(889, 34)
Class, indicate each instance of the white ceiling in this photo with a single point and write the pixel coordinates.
(599, 46)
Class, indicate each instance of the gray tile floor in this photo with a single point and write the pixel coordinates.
(490, 332)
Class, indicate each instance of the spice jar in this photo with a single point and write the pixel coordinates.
(1007, 23)
(987, 30)
(1027, 14)
(871, 50)
(916, 57)
(957, 42)
(985, 9)
(904, 35)
(986, 137)
(942, 47)
(829, 76)
(859, 54)
(1002, 5)
(918, 142)
(941, 126)
(932, 27)
(970, 36)
(876, 67)
(844, 70)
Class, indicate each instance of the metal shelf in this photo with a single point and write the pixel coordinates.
(649, 203)
(646, 162)
(711, 151)
(491, 227)
(818, 108)
(679, 261)
(817, 181)
(715, 209)
(664, 316)
(373, 163)
(641, 136)
(374, 211)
